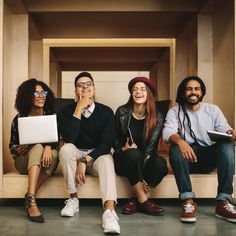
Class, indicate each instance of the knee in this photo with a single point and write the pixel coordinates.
(226, 147)
(36, 153)
(66, 152)
(37, 148)
(226, 152)
(105, 161)
(132, 156)
(159, 164)
(162, 166)
(175, 154)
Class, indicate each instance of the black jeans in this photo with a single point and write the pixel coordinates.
(131, 164)
(219, 155)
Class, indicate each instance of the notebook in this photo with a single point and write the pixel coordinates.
(218, 136)
(37, 129)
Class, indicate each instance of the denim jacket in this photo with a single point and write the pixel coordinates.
(122, 120)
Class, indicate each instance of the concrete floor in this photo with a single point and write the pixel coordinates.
(87, 222)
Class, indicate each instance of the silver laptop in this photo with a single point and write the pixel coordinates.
(37, 129)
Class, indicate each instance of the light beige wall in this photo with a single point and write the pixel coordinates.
(186, 53)
(15, 67)
(223, 58)
(36, 59)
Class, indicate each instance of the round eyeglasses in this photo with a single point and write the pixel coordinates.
(42, 93)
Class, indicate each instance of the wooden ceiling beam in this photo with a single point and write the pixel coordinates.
(107, 54)
(113, 5)
(106, 66)
(105, 32)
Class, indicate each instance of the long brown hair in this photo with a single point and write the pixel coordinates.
(150, 108)
(151, 113)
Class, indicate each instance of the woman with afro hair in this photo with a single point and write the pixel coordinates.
(38, 161)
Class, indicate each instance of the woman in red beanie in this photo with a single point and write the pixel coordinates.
(138, 128)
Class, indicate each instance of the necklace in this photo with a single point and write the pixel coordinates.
(138, 117)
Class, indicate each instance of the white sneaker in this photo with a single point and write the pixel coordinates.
(110, 222)
(71, 207)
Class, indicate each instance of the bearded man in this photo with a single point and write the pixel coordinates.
(192, 151)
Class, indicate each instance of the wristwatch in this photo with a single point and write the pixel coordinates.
(84, 160)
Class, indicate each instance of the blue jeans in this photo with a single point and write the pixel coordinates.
(219, 155)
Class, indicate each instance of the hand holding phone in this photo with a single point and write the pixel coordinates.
(128, 144)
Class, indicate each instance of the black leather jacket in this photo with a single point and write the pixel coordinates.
(122, 120)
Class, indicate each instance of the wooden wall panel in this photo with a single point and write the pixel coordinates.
(223, 58)
(15, 66)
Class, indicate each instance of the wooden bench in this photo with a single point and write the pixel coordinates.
(15, 185)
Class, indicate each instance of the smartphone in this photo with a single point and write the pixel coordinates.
(131, 140)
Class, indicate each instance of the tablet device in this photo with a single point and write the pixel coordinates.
(218, 136)
(37, 129)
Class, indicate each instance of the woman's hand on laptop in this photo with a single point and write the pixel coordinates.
(47, 156)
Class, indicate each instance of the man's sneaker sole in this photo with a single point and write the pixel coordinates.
(68, 215)
(188, 220)
(226, 218)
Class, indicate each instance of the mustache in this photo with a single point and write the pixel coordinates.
(193, 94)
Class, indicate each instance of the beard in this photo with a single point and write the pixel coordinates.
(190, 102)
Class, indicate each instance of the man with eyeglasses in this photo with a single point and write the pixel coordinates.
(87, 128)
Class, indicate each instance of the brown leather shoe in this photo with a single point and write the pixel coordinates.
(130, 207)
(189, 211)
(150, 208)
(225, 210)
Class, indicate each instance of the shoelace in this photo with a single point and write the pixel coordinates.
(69, 201)
(188, 208)
(113, 216)
(229, 207)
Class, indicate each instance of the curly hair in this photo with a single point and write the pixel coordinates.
(25, 96)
